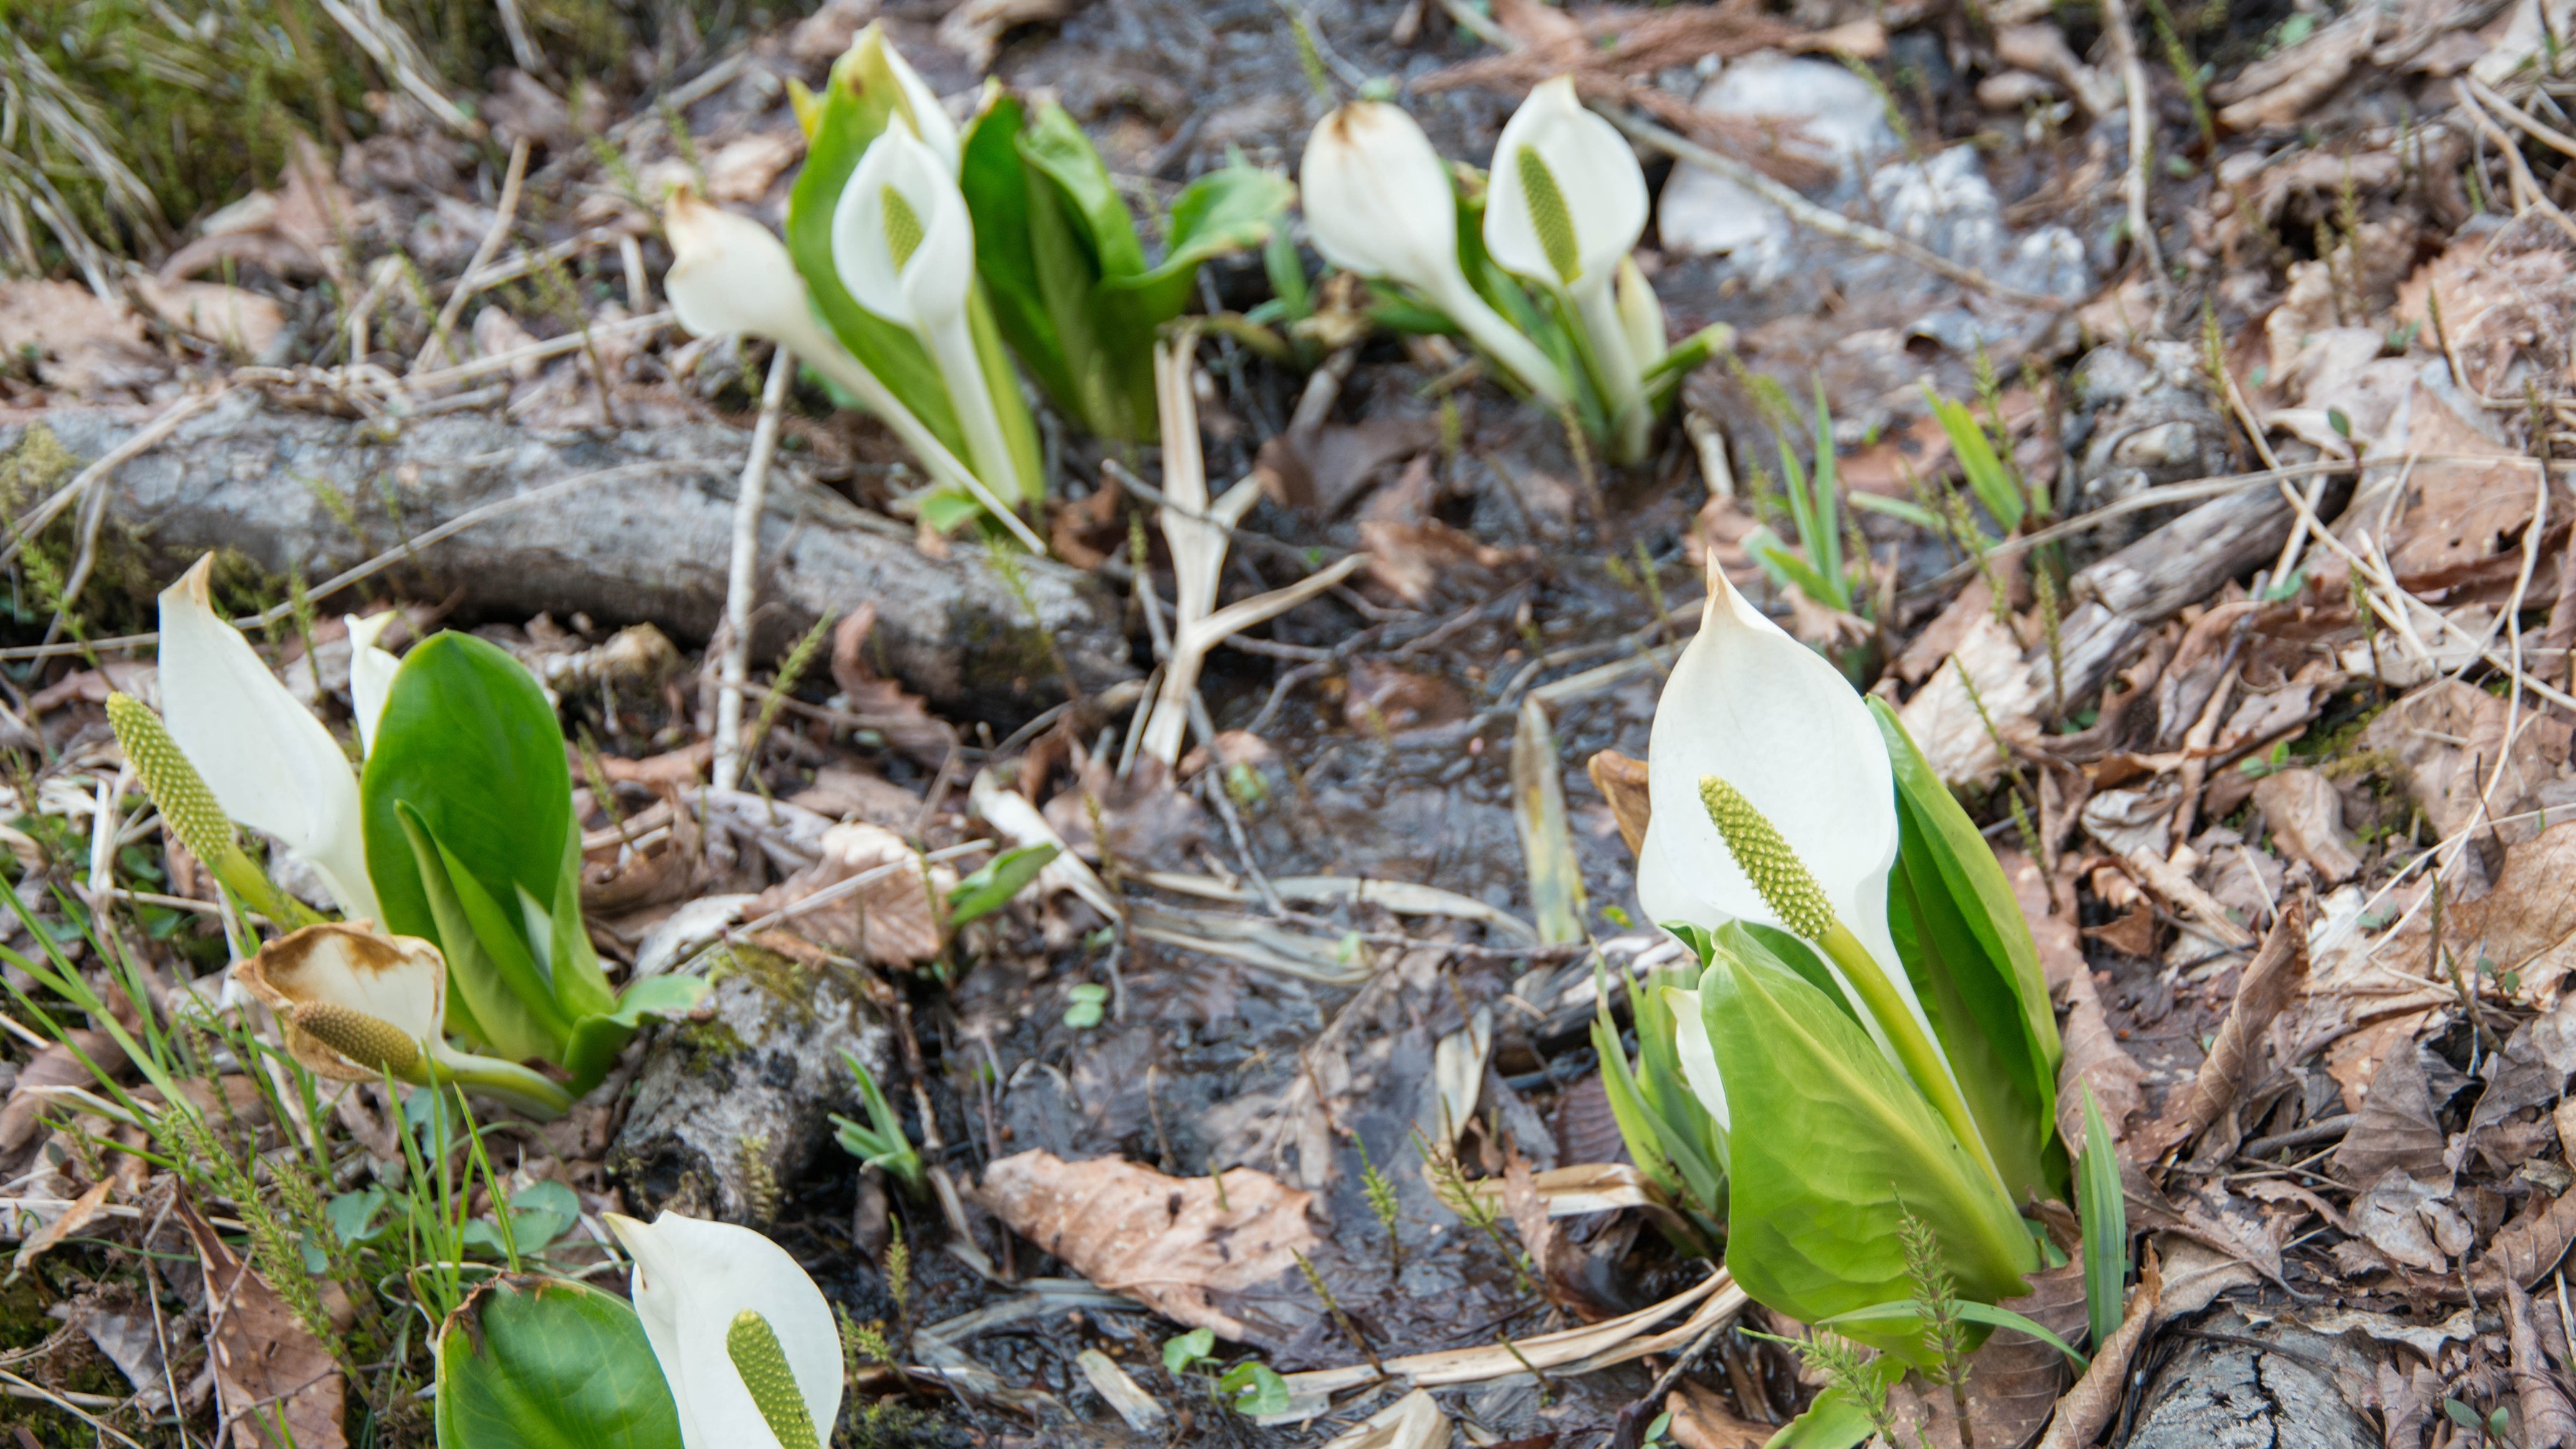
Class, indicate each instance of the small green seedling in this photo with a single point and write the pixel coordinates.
(882, 1142)
(1088, 999)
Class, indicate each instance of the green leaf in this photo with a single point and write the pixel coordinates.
(1089, 999)
(992, 887)
(1847, 1146)
(597, 1039)
(1255, 1389)
(1902, 509)
(352, 1215)
(494, 994)
(999, 196)
(1834, 1421)
(2103, 1210)
(1906, 1316)
(1969, 953)
(1229, 210)
(1189, 1348)
(533, 1363)
(1984, 471)
(1054, 144)
(468, 741)
(855, 107)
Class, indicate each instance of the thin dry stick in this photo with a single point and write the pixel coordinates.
(742, 584)
(2527, 192)
(550, 347)
(2142, 141)
(467, 284)
(1816, 218)
(97, 473)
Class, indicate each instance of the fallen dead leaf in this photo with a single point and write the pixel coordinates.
(1622, 782)
(2395, 1129)
(2305, 815)
(1701, 1420)
(2086, 1408)
(1164, 1241)
(890, 921)
(83, 1211)
(81, 345)
(2278, 973)
(2411, 1221)
(1416, 563)
(57, 1065)
(2547, 1421)
(2525, 1249)
(882, 704)
(281, 1387)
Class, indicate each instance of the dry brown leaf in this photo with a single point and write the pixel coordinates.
(281, 1386)
(2094, 1058)
(84, 1210)
(652, 857)
(1162, 1240)
(2529, 1246)
(1622, 782)
(2087, 1408)
(1701, 1420)
(2547, 1421)
(2527, 924)
(890, 921)
(2278, 973)
(53, 1066)
(1416, 563)
(2410, 1221)
(2395, 1127)
(2499, 294)
(882, 704)
(2305, 815)
(80, 344)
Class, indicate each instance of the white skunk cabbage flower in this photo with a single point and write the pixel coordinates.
(357, 1005)
(905, 247)
(1565, 207)
(731, 274)
(743, 1336)
(1378, 202)
(371, 672)
(1698, 1057)
(871, 53)
(1751, 707)
(270, 763)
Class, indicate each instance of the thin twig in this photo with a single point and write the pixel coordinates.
(742, 581)
(463, 291)
(2142, 142)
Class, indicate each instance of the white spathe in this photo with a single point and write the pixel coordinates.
(371, 672)
(927, 289)
(905, 247)
(1770, 716)
(1378, 203)
(1602, 192)
(1595, 171)
(396, 980)
(270, 763)
(731, 274)
(692, 1278)
(1699, 1059)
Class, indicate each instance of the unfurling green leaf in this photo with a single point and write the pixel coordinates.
(993, 886)
(2104, 1212)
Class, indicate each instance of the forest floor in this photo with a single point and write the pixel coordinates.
(2282, 634)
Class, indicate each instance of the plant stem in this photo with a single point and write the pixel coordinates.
(526, 1090)
(953, 347)
(1489, 331)
(1613, 366)
(1913, 1045)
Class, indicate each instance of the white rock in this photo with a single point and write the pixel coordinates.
(1839, 121)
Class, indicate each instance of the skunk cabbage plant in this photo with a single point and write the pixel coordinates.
(745, 1339)
(1874, 1037)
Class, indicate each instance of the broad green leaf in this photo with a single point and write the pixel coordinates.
(1229, 210)
(469, 743)
(1010, 406)
(1846, 1147)
(1969, 953)
(1181, 1351)
(596, 1040)
(996, 184)
(494, 994)
(2103, 1210)
(581, 988)
(1906, 1316)
(1054, 144)
(534, 1363)
(1255, 1389)
(992, 887)
(854, 113)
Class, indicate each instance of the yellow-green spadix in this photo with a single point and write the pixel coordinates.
(744, 1338)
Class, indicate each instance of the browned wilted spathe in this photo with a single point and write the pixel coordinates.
(354, 1002)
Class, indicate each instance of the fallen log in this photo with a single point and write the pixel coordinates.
(633, 526)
